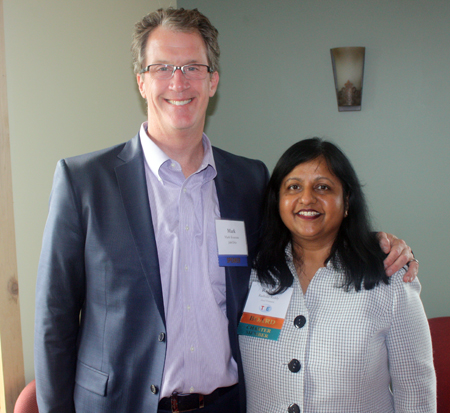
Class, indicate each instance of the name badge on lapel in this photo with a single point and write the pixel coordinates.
(264, 314)
(231, 243)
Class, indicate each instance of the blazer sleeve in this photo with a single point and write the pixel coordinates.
(59, 298)
(410, 353)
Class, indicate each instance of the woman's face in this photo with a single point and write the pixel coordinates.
(312, 204)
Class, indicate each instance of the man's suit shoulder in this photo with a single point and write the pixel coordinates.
(94, 159)
(94, 171)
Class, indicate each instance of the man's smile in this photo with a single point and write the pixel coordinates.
(179, 102)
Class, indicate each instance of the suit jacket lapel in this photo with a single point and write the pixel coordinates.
(226, 186)
(133, 190)
(237, 277)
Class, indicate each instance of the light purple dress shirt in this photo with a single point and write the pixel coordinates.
(184, 210)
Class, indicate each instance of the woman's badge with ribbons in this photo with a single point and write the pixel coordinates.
(264, 314)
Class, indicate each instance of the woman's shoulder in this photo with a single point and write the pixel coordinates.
(397, 297)
(400, 286)
(405, 295)
(396, 287)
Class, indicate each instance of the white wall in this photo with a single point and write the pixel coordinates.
(71, 90)
(276, 87)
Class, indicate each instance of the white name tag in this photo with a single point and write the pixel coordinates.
(264, 314)
(231, 243)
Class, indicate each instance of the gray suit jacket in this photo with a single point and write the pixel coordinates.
(99, 257)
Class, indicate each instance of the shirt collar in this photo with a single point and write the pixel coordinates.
(155, 157)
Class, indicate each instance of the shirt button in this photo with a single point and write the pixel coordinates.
(294, 366)
(186, 268)
(187, 228)
(161, 337)
(154, 389)
(191, 390)
(299, 321)
(184, 190)
(293, 408)
(188, 307)
(192, 348)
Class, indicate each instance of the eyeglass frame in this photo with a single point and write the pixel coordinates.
(175, 68)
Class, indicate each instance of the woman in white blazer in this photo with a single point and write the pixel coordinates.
(353, 339)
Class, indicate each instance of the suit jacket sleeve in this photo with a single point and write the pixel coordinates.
(59, 297)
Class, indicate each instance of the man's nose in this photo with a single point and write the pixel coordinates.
(179, 81)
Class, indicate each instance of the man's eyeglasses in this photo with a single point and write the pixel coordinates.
(192, 71)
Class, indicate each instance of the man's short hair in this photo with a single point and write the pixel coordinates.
(179, 20)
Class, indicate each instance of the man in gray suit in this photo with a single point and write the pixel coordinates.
(133, 312)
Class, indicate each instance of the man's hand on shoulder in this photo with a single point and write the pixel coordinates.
(399, 255)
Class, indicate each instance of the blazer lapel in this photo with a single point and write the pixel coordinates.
(226, 187)
(227, 182)
(133, 190)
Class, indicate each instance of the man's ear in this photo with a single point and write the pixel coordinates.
(214, 82)
(140, 82)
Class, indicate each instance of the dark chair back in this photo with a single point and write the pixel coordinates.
(440, 336)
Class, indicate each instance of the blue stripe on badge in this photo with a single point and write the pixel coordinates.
(233, 260)
(258, 332)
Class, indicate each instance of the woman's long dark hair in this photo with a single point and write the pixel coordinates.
(356, 249)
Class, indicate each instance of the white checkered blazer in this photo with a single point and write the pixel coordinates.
(353, 346)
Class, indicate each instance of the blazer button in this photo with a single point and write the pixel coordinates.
(162, 337)
(299, 321)
(293, 408)
(294, 366)
(154, 389)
